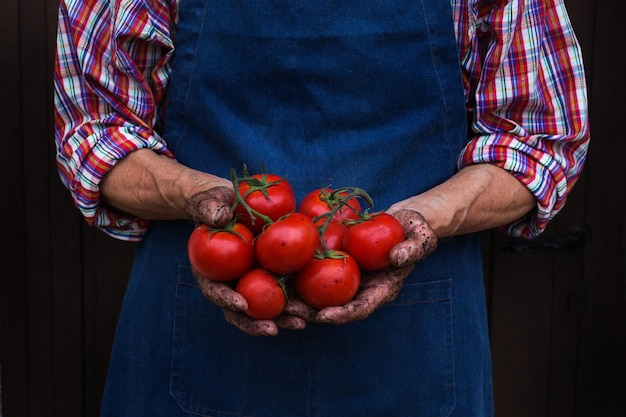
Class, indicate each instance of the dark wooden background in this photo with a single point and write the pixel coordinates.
(557, 316)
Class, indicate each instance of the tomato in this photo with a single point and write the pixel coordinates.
(370, 241)
(221, 254)
(269, 194)
(264, 293)
(332, 234)
(288, 244)
(328, 281)
(323, 200)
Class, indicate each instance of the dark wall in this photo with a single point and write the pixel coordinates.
(557, 316)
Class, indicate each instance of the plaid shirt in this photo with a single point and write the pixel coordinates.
(522, 72)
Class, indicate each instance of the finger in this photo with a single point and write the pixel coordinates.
(286, 321)
(384, 286)
(410, 252)
(249, 325)
(220, 294)
(212, 207)
(302, 310)
(420, 241)
(354, 310)
(378, 288)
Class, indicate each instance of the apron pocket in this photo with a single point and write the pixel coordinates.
(379, 367)
(369, 368)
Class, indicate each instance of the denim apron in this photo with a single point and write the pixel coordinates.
(359, 93)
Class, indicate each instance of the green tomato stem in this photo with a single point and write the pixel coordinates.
(255, 185)
(336, 200)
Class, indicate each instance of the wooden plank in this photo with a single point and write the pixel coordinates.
(520, 330)
(568, 307)
(582, 16)
(107, 264)
(67, 310)
(66, 270)
(536, 349)
(35, 136)
(13, 290)
(569, 301)
(602, 359)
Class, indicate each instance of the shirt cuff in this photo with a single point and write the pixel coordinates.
(534, 166)
(101, 159)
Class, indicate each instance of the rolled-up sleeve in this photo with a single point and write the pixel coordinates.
(110, 76)
(527, 97)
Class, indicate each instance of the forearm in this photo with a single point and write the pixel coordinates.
(478, 197)
(154, 186)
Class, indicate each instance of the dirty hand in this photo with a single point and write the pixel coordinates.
(212, 207)
(234, 306)
(380, 287)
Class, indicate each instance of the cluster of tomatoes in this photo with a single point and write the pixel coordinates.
(317, 250)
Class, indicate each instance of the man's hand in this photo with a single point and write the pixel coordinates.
(420, 240)
(378, 288)
(234, 306)
(214, 208)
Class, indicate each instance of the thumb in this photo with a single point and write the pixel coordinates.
(420, 240)
(212, 207)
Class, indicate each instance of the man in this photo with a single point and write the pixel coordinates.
(371, 94)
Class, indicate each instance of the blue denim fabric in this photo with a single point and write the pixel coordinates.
(356, 93)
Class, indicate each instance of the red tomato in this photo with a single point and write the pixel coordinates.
(221, 254)
(332, 235)
(322, 200)
(327, 282)
(370, 241)
(268, 194)
(287, 244)
(264, 293)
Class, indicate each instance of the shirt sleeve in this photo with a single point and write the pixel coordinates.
(110, 75)
(526, 96)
